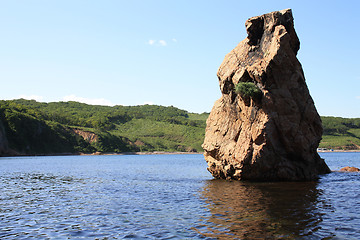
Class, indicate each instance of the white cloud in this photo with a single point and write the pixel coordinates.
(162, 43)
(358, 97)
(91, 101)
(174, 40)
(32, 97)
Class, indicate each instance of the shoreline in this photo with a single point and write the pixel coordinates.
(146, 153)
(141, 153)
(102, 154)
(333, 151)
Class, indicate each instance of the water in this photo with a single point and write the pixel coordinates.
(169, 197)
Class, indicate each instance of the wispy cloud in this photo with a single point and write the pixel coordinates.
(91, 101)
(161, 43)
(32, 97)
(358, 97)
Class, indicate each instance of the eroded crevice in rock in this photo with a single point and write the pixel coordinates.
(255, 30)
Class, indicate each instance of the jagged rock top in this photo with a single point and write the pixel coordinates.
(273, 137)
(265, 35)
(257, 26)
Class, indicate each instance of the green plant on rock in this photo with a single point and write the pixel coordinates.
(248, 90)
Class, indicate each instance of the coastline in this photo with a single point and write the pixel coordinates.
(141, 153)
(333, 151)
(145, 153)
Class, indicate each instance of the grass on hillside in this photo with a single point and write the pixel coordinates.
(161, 136)
(200, 117)
(346, 141)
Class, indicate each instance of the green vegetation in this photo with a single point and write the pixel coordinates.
(43, 128)
(341, 133)
(248, 89)
(70, 127)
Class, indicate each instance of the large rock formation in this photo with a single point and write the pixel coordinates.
(272, 135)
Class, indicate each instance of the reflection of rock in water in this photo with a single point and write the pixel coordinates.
(242, 210)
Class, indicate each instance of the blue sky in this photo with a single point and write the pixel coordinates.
(165, 52)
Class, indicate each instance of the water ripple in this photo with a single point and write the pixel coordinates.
(168, 197)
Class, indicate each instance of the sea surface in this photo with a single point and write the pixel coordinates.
(170, 197)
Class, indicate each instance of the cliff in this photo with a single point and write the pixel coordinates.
(265, 125)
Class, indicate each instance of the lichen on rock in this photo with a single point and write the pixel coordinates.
(273, 137)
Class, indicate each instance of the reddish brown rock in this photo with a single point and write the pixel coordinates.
(349, 169)
(275, 136)
(86, 135)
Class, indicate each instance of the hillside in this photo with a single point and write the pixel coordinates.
(341, 133)
(69, 127)
(30, 127)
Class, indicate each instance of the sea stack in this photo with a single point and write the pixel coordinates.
(265, 126)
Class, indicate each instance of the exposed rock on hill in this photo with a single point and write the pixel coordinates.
(271, 135)
(86, 135)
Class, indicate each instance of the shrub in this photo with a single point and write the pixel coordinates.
(248, 89)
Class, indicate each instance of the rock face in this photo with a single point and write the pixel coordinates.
(86, 135)
(273, 136)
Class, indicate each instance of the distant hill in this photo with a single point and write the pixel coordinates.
(33, 128)
(341, 133)
(70, 127)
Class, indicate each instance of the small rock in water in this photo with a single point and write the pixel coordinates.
(349, 169)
